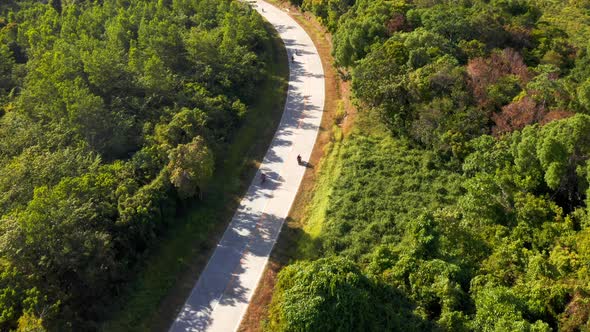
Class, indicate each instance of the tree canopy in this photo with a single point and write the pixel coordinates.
(472, 205)
(112, 114)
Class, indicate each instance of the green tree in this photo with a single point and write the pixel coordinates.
(584, 94)
(30, 323)
(498, 309)
(191, 166)
(332, 294)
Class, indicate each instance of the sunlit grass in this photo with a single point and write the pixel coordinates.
(316, 211)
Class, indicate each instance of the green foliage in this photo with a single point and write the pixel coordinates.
(332, 294)
(183, 127)
(498, 309)
(476, 232)
(107, 107)
(328, 11)
(359, 29)
(191, 166)
(584, 94)
(30, 323)
(394, 51)
(496, 248)
(35, 167)
(380, 179)
(185, 231)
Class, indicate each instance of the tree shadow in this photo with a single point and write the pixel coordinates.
(281, 28)
(223, 280)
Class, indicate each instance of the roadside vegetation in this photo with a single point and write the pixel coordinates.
(151, 300)
(121, 124)
(459, 200)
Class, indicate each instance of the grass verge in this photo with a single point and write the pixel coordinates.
(151, 302)
(311, 222)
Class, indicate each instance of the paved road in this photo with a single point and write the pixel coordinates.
(221, 296)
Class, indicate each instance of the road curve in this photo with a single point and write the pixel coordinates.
(221, 296)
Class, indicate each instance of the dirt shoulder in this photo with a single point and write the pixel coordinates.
(337, 120)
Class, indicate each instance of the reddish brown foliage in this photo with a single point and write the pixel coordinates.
(576, 313)
(517, 115)
(526, 111)
(513, 61)
(555, 115)
(484, 72)
(396, 23)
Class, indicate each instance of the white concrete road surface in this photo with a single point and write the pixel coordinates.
(222, 294)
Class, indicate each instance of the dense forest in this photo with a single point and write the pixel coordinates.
(114, 113)
(468, 211)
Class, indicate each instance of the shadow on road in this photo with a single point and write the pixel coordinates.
(257, 237)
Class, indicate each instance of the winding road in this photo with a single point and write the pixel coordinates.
(221, 296)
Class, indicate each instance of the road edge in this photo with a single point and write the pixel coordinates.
(334, 123)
